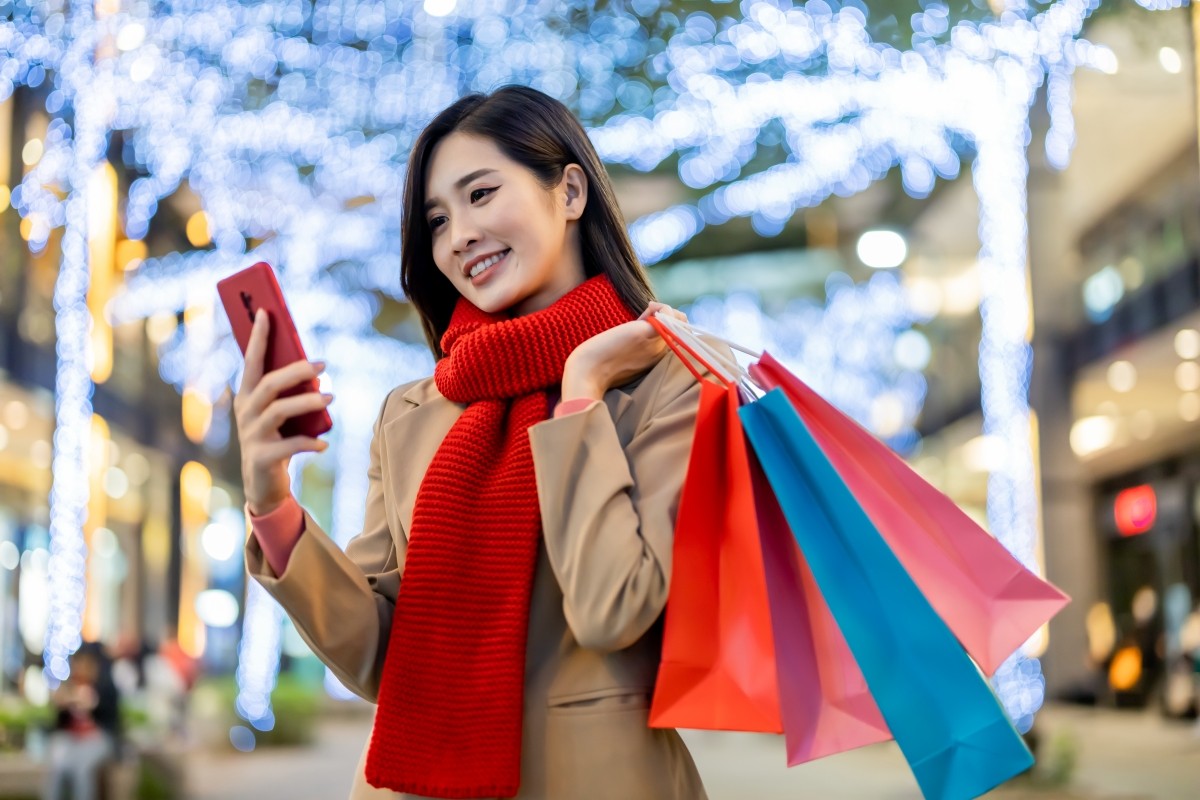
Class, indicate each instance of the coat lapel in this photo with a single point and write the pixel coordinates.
(412, 437)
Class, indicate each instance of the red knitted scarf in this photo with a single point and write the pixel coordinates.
(450, 701)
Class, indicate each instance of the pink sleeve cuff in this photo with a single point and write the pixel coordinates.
(277, 533)
(572, 406)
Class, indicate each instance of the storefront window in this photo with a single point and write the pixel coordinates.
(1146, 238)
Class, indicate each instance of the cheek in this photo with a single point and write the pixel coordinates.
(506, 224)
(442, 257)
(532, 233)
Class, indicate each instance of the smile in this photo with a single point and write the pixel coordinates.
(485, 266)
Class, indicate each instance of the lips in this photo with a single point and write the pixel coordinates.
(474, 261)
(494, 265)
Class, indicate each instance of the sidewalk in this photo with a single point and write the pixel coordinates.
(1130, 756)
(1121, 756)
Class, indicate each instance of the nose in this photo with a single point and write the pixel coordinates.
(462, 235)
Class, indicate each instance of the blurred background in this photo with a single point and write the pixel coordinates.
(973, 225)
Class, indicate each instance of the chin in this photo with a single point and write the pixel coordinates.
(493, 302)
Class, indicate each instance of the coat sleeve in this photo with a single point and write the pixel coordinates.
(608, 511)
(341, 602)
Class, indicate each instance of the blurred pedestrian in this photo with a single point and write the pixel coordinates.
(526, 492)
(1196, 696)
(1190, 639)
(86, 729)
(170, 675)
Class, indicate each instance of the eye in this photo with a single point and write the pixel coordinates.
(477, 191)
(436, 223)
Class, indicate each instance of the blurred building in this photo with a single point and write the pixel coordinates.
(150, 497)
(1114, 241)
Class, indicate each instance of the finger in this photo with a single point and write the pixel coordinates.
(665, 309)
(255, 350)
(276, 381)
(653, 309)
(286, 448)
(672, 312)
(285, 408)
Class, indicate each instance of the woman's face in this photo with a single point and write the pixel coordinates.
(504, 241)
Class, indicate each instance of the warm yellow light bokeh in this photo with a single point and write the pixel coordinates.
(102, 242)
(130, 254)
(197, 415)
(156, 544)
(195, 483)
(32, 152)
(27, 224)
(197, 230)
(1126, 669)
(161, 326)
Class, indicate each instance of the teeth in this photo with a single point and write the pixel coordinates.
(487, 262)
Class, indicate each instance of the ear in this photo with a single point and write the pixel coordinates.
(575, 186)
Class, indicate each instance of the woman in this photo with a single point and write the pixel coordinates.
(516, 552)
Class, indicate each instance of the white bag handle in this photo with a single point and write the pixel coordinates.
(731, 371)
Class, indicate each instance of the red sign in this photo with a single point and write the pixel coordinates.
(1135, 510)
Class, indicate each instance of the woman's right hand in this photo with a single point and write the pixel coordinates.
(260, 411)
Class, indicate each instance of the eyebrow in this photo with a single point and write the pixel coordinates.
(458, 184)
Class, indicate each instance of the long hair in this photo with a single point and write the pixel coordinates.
(540, 133)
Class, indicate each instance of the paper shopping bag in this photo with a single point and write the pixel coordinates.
(823, 697)
(718, 656)
(937, 704)
(990, 601)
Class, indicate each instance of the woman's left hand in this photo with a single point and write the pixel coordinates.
(616, 356)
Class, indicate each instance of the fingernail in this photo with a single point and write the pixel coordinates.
(319, 366)
(258, 316)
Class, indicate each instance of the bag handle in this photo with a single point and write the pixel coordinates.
(717, 362)
(678, 335)
(678, 346)
(701, 332)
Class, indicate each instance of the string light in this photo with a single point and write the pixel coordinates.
(292, 123)
(844, 348)
(69, 492)
(353, 414)
(258, 657)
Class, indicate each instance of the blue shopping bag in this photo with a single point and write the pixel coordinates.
(941, 710)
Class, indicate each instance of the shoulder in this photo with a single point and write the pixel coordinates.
(675, 377)
(405, 396)
(669, 384)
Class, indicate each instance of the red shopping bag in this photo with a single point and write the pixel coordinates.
(718, 656)
(826, 705)
(749, 645)
(988, 599)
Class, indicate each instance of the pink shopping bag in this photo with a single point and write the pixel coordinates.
(989, 600)
(748, 644)
(826, 705)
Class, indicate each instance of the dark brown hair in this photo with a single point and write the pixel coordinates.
(540, 133)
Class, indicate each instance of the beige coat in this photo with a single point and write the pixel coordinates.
(608, 482)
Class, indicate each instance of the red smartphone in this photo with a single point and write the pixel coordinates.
(242, 294)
